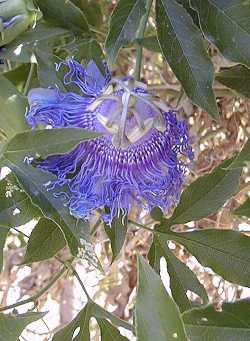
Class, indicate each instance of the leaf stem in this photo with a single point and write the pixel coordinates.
(141, 226)
(27, 84)
(75, 273)
(140, 35)
(41, 292)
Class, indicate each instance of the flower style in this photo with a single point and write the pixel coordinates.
(138, 159)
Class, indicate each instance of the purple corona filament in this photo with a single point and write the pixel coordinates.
(138, 160)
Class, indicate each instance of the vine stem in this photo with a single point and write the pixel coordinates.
(140, 35)
(35, 297)
(75, 273)
(141, 226)
(27, 84)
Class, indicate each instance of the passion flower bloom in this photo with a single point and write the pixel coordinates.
(15, 17)
(139, 159)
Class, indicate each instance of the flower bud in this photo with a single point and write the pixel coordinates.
(15, 17)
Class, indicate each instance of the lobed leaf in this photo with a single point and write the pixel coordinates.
(117, 234)
(182, 278)
(230, 323)
(11, 325)
(226, 252)
(157, 315)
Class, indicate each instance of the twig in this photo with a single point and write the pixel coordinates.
(75, 273)
(141, 226)
(41, 292)
(140, 35)
(30, 75)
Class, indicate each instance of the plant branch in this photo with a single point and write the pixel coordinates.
(75, 273)
(30, 75)
(140, 35)
(35, 297)
(141, 226)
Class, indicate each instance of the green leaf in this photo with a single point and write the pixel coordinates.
(92, 10)
(45, 241)
(226, 252)
(46, 141)
(86, 49)
(151, 43)
(33, 182)
(21, 49)
(99, 312)
(124, 23)
(3, 236)
(157, 316)
(243, 210)
(11, 326)
(109, 332)
(190, 10)
(117, 234)
(236, 78)
(206, 194)
(231, 323)
(64, 14)
(12, 109)
(46, 70)
(226, 24)
(16, 207)
(18, 76)
(183, 47)
(81, 321)
(243, 158)
(181, 277)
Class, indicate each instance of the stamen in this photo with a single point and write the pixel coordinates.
(120, 139)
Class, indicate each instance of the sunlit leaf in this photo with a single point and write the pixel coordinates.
(157, 316)
(226, 252)
(45, 241)
(117, 234)
(231, 322)
(109, 332)
(81, 324)
(182, 278)
(11, 326)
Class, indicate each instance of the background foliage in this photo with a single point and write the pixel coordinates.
(196, 55)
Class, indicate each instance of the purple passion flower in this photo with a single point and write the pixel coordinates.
(139, 158)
